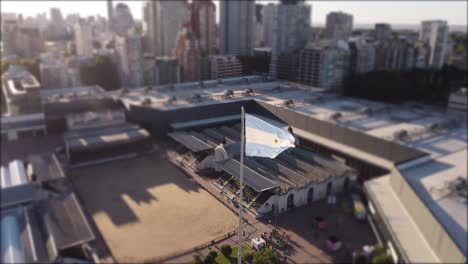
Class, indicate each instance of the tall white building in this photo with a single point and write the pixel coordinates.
(435, 33)
(129, 50)
(237, 27)
(267, 22)
(339, 26)
(83, 38)
(162, 22)
(173, 15)
(203, 22)
(122, 20)
(152, 27)
(289, 28)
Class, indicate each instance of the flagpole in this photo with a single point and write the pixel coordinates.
(241, 182)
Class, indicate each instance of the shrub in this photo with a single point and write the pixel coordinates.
(265, 256)
(213, 253)
(197, 260)
(209, 259)
(382, 259)
(248, 257)
(226, 250)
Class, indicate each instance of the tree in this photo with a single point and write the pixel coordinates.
(101, 72)
(265, 256)
(209, 259)
(213, 253)
(226, 250)
(380, 256)
(197, 260)
(248, 257)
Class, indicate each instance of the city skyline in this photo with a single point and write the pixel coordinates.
(364, 12)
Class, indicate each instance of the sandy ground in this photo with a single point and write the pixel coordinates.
(146, 209)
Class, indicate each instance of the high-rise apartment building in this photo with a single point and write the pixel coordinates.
(161, 70)
(173, 15)
(203, 22)
(237, 27)
(129, 50)
(324, 64)
(84, 38)
(225, 66)
(338, 26)
(28, 41)
(163, 20)
(152, 27)
(435, 33)
(362, 55)
(110, 15)
(122, 20)
(289, 30)
(9, 29)
(188, 55)
(267, 23)
(382, 31)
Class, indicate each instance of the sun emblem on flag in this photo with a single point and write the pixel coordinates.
(276, 141)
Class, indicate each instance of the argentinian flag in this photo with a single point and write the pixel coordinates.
(263, 139)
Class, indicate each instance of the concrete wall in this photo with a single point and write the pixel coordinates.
(433, 231)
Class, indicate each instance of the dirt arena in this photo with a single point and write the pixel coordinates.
(146, 208)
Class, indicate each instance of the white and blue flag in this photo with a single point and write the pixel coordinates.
(263, 139)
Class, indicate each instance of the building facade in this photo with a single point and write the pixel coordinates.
(289, 31)
(338, 26)
(382, 31)
(225, 66)
(122, 20)
(324, 64)
(435, 33)
(83, 38)
(237, 27)
(129, 50)
(203, 22)
(362, 56)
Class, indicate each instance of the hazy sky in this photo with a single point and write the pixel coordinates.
(365, 12)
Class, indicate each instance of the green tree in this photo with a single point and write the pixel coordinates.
(226, 250)
(101, 72)
(208, 259)
(248, 257)
(197, 260)
(265, 256)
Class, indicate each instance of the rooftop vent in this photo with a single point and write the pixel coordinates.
(172, 99)
(246, 80)
(249, 91)
(336, 116)
(197, 97)
(124, 91)
(147, 101)
(288, 102)
(400, 134)
(228, 93)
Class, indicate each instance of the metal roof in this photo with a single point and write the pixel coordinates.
(190, 141)
(105, 136)
(253, 179)
(66, 221)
